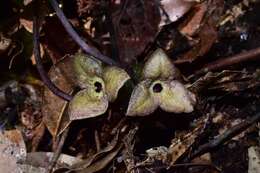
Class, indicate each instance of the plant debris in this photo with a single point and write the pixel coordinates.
(129, 86)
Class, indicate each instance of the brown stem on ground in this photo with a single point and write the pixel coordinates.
(57, 152)
(232, 60)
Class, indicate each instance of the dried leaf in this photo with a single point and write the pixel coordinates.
(195, 21)
(114, 79)
(88, 103)
(54, 107)
(174, 97)
(141, 102)
(159, 66)
(175, 9)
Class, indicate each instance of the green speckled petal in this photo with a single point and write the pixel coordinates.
(114, 79)
(159, 66)
(174, 97)
(85, 69)
(88, 103)
(141, 102)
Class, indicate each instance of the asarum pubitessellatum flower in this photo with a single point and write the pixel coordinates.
(98, 86)
(159, 88)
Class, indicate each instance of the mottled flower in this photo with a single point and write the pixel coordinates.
(159, 88)
(98, 86)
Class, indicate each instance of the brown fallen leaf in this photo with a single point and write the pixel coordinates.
(208, 36)
(193, 24)
(54, 108)
(203, 28)
(174, 9)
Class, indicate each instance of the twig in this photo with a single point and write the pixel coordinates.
(37, 55)
(89, 50)
(57, 152)
(97, 141)
(229, 134)
(224, 62)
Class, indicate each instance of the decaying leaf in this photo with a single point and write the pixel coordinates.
(175, 9)
(54, 107)
(201, 28)
(158, 89)
(196, 20)
(181, 144)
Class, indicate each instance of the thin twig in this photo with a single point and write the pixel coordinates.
(57, 152)
(228, 61)
(97, 141)
(37, 55)
(229, 134)
(89, 50)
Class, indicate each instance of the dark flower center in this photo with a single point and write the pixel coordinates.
(98, 86)
(157, 88)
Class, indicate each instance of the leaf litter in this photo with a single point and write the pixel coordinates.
(209, 49)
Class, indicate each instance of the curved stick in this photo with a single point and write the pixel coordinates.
(89, 50)
(46, 80)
